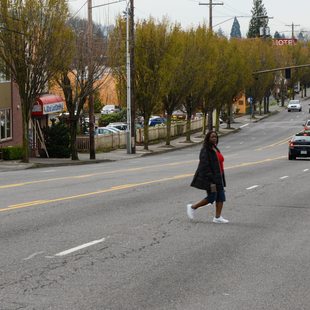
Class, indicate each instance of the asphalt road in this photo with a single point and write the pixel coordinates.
(116, 235)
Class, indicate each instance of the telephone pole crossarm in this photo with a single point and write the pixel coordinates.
(210, 4)
(219, 3)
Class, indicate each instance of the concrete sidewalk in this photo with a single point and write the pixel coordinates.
(121, 154)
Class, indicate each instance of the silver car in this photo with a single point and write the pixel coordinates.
(294, 105)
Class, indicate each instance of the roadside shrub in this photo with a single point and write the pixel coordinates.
(12, 153)
(106, 119)
(57, 141)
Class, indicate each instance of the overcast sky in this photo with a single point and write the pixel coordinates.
(190, 13)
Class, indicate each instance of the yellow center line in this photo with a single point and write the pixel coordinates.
(111, 189)
(274, 144)
(95, 174)
(124, 186)
(255, 162)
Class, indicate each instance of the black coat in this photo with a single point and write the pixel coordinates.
(208, 171)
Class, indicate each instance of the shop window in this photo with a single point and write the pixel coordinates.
(4, 75)
(5, 124)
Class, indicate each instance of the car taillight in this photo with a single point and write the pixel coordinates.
(291, 144)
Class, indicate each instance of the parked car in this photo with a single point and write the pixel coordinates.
(294, 105)
(299, 146)
(106, 131)
(120, 126)
(179, 115)
(157, 120)
(307, 125)
(110, 108)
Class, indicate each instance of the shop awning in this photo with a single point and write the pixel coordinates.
(48, 104)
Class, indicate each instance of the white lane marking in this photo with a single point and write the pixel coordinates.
(241, 142)
(284, 177)
(85, 245)
(306, 170)
(244, 125)
(251, 187)
(33, 255)
(227, 147)
(46, 171)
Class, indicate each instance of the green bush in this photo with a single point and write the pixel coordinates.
(106, 119)
(12, 152)
(57, 141)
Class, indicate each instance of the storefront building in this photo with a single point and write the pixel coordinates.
(11, 129)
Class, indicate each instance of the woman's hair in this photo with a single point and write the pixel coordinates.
(206, 142)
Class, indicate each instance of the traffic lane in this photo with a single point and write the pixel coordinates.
(151, 242)
(120, 220)
(41, 177)
(246, 138)
(262, 133)
(267, 131)
(264, 242)
(65, 185)
(84, 186)
(51, 191)
(88, 183)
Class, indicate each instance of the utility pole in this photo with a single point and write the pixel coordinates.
(210, 108)
(293, 26)
(132, 77)
(128, 86)
(92, 153)
(210, 4)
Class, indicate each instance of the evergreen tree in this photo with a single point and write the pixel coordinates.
(220, 33)
(235, 29)
(301, 37)
(257, 21)
(277, 35)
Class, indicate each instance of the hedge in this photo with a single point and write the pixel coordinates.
(12, 152)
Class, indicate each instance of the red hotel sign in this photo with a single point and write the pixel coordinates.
(281, 42)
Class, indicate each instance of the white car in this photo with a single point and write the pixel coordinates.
(110, 108)
(294, 105)
(106, 131)
(120, 126)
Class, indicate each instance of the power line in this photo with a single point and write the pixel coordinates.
(77, 12)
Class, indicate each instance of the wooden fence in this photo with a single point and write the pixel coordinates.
(118, 140)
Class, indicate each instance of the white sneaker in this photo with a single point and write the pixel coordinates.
(220, 220)
(190, 211)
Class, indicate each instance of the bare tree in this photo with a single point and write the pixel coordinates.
(34, 41)
(78, 80)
